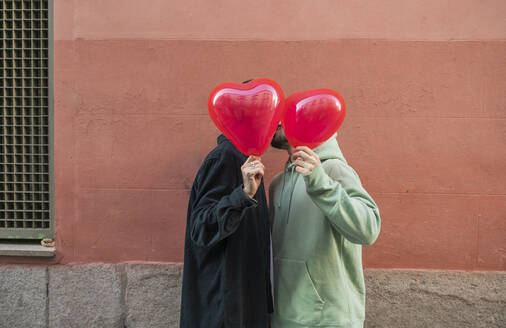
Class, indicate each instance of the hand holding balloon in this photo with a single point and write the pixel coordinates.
(252, 173)
(305, 160)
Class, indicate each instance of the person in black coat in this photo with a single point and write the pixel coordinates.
(226, 276)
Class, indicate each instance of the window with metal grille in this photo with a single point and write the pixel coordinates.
(26, 104)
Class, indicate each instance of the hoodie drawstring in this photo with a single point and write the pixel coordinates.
(287, 217)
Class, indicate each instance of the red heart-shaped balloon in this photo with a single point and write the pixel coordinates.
(247, 114)
(311, 117)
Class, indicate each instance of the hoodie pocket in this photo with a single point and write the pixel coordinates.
(296, 298)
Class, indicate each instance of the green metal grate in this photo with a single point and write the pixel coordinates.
(25, 119)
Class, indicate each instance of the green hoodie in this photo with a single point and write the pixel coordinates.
(319, 223)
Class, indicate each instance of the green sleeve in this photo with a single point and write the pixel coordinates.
(341, 197)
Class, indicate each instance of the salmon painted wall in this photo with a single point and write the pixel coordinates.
(424, 83)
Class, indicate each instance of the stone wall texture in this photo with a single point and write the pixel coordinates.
(148, 295)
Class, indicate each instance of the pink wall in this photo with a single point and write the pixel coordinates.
(283, 20)
(426, 123)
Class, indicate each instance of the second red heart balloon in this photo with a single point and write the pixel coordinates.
(311, 117)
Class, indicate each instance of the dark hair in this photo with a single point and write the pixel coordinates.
(244, 82)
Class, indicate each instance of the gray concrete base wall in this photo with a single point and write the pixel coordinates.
(417, 299)
(147, 295)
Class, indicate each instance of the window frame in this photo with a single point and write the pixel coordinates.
(42, 233)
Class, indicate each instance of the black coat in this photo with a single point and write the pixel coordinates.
(226, 278)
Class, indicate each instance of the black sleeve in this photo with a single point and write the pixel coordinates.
(220, 203)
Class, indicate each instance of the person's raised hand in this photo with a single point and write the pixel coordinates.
(252, 173)
(305, 160)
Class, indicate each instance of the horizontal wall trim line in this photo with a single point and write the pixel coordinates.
(428, 193)
(350, 116)
(435, 193)
(126, 38)
(132, 188)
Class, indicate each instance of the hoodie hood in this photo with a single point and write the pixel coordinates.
(327, 150)
(330, 150)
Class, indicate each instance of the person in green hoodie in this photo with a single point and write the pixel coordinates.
(320, 217)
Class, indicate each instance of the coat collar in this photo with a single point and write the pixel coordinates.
(222, 138)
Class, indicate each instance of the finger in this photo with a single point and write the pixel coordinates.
(305, 156)
(302, 170)
(298, 162)
(255, 171)
(301, 163)
(307, 166)
(260, 164)
(303, 148)
(246, 163)
(307, 150)
(313, 157)
(248, 169)
(256, 174)
(307, 160)
(312, 153)
(256, 163)
(251, 159)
